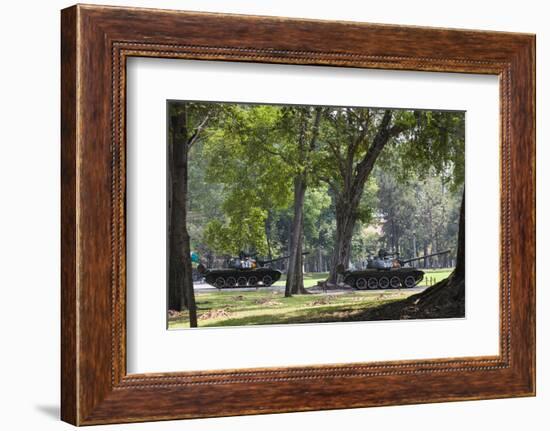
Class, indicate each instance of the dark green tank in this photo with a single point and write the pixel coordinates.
(242, 271)
(386, 271)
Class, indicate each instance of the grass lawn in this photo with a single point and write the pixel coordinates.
(310, 279)
(265, 307)
(435, 275)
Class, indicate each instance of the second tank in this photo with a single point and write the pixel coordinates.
(384, 271)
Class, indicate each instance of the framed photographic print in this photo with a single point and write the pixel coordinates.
(268, 215)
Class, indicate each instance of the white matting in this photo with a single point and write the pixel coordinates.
(152, 348)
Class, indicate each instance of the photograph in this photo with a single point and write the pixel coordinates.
(303, 214)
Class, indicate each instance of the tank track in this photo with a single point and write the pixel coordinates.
(384, 279)
(261, 277)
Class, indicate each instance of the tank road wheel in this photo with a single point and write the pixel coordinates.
(409, 281)
(231, 282)
(253, 281)
(384, 282)
(395, 282)
(267, 280)
(372, 283)
(361, 283)
(220, 282)
(241, 281)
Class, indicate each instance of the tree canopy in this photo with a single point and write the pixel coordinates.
(242, 173)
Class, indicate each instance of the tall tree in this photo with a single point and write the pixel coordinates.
(433, 154)
(421, 140)
(254, 182)
(439, 148)
(187, 124)
(268, 148)
(355, 141)
(307, 123)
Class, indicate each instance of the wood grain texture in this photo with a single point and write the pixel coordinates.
(96, 41)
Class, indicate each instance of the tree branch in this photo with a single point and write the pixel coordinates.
(357, 141)
(383, 135)
(277, 154)
(195, 136)
(331, 183)
(338, 156)
(315, 129)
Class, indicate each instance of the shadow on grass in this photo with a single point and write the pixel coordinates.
(262, 308)
(325, 314)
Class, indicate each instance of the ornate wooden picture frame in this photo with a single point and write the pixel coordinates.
(96, 41)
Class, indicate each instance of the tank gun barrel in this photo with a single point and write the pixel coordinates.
(263, 262)
(424, 257)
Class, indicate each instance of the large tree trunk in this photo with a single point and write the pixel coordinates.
(345, 223)
(461, 246)
(295, 276)
(446, 298)
(180, 281)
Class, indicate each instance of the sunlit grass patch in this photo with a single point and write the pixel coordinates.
(267, 307)
(264, 308)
